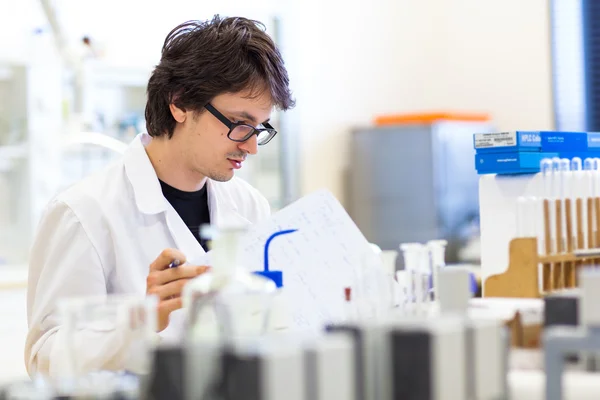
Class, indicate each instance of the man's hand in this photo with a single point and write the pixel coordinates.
(167, 283)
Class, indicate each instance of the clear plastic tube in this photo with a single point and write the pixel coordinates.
(546, 169)
(587, 191)
(425, 276)
(552, 192)
(575, 192)
(410, 253)
(437, 251)
(555, 164)
(565, 190)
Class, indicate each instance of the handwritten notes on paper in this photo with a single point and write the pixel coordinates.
(318, 261)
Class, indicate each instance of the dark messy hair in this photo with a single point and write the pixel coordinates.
(203, 59)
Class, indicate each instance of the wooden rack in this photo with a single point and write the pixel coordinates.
(559, 267)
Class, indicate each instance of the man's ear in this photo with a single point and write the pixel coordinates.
(178, 114)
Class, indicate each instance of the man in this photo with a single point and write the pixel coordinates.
(208, 107)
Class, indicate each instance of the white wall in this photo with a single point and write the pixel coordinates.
(498, 59)
(351, 60)
(18, 19)
(355, 61)
(138, 28)
(129, 31)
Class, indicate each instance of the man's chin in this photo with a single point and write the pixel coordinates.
(222, 177)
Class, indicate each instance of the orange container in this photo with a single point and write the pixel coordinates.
(428, 118)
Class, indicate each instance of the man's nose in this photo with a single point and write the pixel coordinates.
(250, 146)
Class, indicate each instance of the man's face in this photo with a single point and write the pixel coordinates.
(206, 148)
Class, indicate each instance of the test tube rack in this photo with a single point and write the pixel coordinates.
(560, 265)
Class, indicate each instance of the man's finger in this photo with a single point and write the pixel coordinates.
(166, 257)
(168, 306)
(172, 289)
(157, 278)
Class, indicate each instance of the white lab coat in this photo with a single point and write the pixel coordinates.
(99, 237)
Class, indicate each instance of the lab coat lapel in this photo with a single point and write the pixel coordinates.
(185, 241)
(223, 210)
(150, 200)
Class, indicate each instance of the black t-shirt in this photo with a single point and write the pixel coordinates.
(192, 207)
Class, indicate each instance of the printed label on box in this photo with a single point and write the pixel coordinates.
(593, 139)
(530, 139)
(505, 160)
(496, 139)
(555, 139)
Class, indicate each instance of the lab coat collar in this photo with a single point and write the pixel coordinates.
(223, 209)
(142, 176)
(149, 197)
(148, 193)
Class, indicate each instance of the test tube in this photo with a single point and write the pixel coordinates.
(426, 275)
(565, 182)
(556, 177)
(546, 166)
(595, 195)
(411, 254)
(388, 260)
(555, 164)
(587, 193)
(550, 180)
(437, 251)
(546, 226)
(577, 176)
(402, 280)
(556, 189)
(546, 170)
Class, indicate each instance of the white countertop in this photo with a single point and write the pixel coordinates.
(13, 329)
(13, 277)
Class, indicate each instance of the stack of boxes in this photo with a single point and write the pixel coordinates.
(520, 152)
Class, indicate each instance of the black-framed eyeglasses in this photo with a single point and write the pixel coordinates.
(239, 132)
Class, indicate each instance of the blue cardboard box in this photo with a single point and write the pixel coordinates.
(510, 162)
(553, 141)
(504, 142)
(593, 141)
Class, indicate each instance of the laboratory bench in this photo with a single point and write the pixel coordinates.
(13, 328)
(526, 378)
(13, 277)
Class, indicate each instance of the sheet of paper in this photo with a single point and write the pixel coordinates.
(318, 261)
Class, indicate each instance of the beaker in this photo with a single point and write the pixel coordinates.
(229, 301)
(108, 340)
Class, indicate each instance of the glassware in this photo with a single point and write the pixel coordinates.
(229, 301)
(108, 341)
